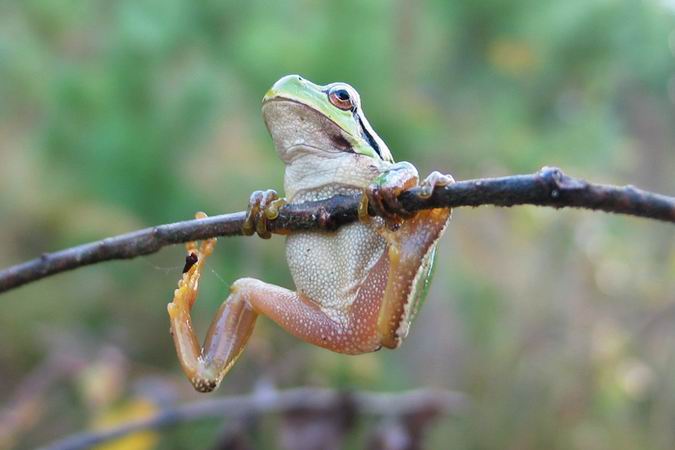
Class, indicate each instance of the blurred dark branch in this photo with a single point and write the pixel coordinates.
(26, 406)
(548, 187)
(421, 401)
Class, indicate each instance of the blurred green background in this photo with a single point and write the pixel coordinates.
(120, 115)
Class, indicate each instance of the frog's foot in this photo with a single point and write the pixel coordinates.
(433, 180)
(185, 294)
(263, 206)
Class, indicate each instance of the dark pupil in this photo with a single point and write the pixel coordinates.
(342, 94)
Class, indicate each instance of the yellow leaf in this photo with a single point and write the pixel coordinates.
(130, 411)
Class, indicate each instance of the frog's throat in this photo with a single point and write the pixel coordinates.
(314, 172)
(318, 115)
(340, 139)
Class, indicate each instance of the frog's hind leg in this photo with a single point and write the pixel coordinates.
(234, 321)
(205, 366)
(411, 240)
(351, 331)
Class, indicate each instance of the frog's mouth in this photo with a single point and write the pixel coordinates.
(296, 126)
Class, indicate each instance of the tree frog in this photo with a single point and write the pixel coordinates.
(357, 289)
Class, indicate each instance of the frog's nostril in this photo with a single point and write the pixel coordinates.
(300, 78)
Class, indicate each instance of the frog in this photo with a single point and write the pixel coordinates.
(357, 289)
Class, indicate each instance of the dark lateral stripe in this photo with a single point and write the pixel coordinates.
(366, 134)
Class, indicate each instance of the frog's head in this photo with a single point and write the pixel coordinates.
(328, 121)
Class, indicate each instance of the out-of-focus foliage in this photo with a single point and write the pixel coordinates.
(559, 325)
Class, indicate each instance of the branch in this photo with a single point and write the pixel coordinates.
(548, 187)
(377, 404)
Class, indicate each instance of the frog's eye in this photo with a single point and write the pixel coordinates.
(341, 98)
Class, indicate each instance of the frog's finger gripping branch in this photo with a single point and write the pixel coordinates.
(382, 194)
(263, 206)
(432, 181)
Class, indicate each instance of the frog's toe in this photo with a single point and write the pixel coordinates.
(262, 220)
(391, 202)
(262, 207)
(384, 201)
(375, 200)
(433, 180)
(248, 227)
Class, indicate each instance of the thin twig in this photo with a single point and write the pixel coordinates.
(548, 187)
(367, 403)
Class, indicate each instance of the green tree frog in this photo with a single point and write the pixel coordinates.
(357, 289)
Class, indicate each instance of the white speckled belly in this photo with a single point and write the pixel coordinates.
(329, 268)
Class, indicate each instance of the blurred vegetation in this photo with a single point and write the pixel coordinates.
(120, 115)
